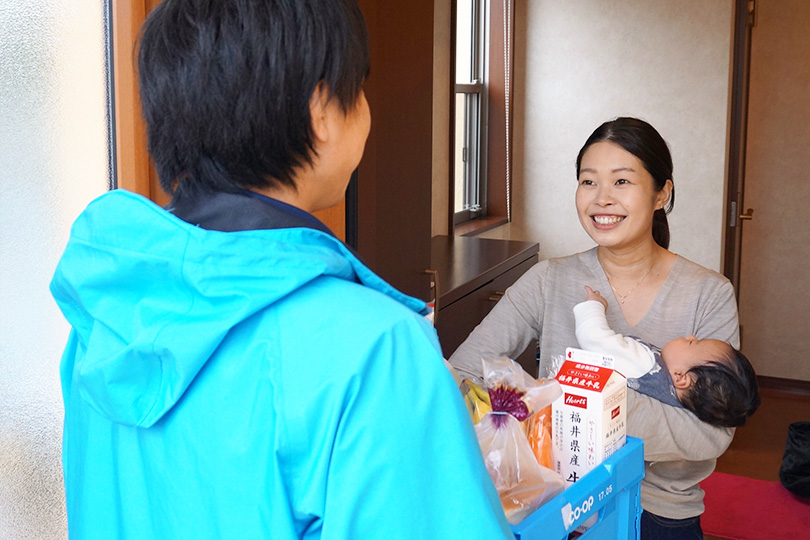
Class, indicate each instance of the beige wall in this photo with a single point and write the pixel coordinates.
(581, 62)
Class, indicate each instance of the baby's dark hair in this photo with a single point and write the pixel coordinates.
(724, 392)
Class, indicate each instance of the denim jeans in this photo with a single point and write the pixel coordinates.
(655, 527)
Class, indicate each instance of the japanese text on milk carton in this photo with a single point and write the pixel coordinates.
(589, 419)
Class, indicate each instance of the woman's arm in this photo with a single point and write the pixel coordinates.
(671, 433)
(508, 329)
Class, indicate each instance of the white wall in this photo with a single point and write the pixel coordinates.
(581, 62)
(53, 160)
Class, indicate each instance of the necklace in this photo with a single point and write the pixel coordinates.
(621, 296)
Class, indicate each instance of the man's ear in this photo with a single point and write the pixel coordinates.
(663, 196)
(318, 112)
(682, 381)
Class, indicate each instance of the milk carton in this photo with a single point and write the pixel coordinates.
(589, 419)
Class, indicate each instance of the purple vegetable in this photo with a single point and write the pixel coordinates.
(507, 399)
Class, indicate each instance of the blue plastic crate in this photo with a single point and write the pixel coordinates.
(612, 490)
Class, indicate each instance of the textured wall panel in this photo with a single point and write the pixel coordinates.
(53, 161)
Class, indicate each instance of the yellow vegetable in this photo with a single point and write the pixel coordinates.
(482, 393)
(478, 407)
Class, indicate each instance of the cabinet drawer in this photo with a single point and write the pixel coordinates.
(456, 320)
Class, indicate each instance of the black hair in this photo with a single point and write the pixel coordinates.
(226, 86)
(643, 141)
(724, 392)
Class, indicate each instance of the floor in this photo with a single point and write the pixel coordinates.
(757, 449)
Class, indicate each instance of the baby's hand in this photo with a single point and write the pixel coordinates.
(594, 295)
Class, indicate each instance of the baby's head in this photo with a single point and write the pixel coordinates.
(712, 379)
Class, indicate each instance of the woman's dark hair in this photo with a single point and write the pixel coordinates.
(724, 392)
(643, 141)
(226, 86)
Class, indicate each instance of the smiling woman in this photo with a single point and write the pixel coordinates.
(625, 189)
(646, 156)
(622, 203)
(616, 194)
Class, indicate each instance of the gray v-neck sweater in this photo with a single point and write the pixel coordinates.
(679, 450)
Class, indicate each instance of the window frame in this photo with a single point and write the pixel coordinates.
(496, 119)
(475, 143)
(475, 117)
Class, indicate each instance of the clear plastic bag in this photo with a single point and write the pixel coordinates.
(505, 372)
(550, 370)
(522, 483)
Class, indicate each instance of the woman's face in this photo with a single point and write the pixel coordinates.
(616, 196)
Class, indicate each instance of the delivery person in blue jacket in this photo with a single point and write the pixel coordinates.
(233, 370)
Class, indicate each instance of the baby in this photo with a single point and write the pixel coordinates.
(707, 376)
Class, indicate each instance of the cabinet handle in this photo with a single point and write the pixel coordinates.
(496, 295)
(434, 291)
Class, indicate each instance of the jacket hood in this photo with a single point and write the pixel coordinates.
(135, 281)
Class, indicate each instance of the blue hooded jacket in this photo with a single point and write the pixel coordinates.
(253, 384)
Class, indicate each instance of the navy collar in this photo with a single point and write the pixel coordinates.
(294, 211)
(241, 211)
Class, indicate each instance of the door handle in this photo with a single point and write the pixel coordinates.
(748, 214)
(434, 292)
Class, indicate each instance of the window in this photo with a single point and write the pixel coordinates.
(481, 114)
(469, 147)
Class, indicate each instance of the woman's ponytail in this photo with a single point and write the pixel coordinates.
(660, 228)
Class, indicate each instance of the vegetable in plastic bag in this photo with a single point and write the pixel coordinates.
(522, 483)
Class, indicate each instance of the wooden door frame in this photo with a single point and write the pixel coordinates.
(744, 19)
(133, 167)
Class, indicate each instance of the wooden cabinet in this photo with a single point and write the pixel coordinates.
(473, 274)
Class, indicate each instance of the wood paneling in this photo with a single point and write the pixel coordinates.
(394, 177)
